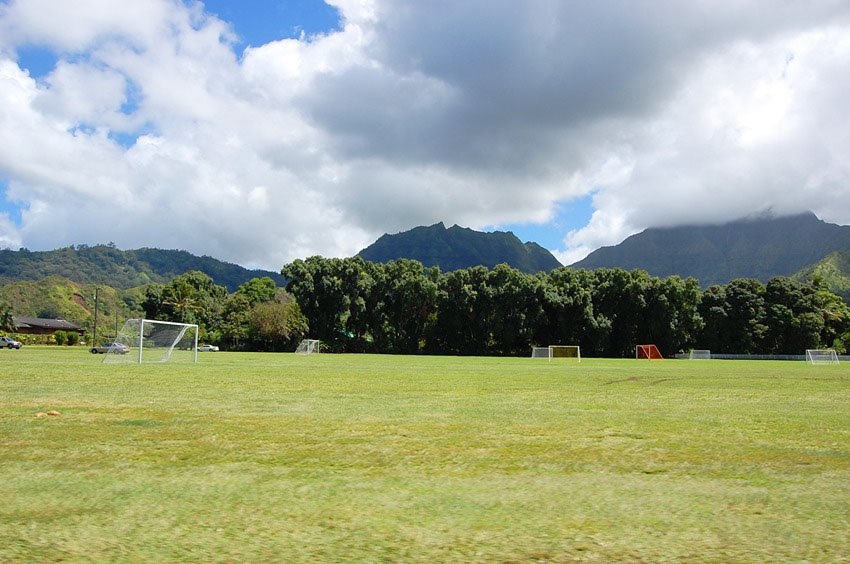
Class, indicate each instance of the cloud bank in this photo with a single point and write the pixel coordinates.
(151, 130)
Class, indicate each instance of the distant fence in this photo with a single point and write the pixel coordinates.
(722, 356)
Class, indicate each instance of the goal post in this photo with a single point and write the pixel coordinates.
(541, 352)
(150, 340)
(821, 356)
(308, 346)
(699, 354)
(649, 352)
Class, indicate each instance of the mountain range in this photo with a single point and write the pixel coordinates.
(459, 247)
(800, 246)
(761, 247)
(108, 265)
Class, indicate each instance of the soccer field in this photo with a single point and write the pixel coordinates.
(263, 457)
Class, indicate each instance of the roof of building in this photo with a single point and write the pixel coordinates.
(38, 322)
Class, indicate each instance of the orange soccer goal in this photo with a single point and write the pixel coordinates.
(649, 352)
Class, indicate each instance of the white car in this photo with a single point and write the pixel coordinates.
(208, 348)
(10, 343)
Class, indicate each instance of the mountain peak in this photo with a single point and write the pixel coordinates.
(460, 247)
(762, 247)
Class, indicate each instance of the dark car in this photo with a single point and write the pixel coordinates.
(110, 348)
(10, 343)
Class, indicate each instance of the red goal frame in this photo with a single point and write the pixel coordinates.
(649, 352)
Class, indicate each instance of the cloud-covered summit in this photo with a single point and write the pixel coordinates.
(149, 129)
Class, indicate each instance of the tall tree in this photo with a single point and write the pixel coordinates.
(192, 297)
(517, 310)
(276, 325)
(405, 298)
(735, 317)
(568, 314)
(258, 290)
(7, 321)
(333, 295)
(464, 302)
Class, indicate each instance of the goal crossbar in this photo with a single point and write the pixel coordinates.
(151, 340)
(308, 346)
(821, 356)
(700, 354)
(649, 352)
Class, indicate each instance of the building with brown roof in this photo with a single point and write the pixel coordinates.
(39, 326)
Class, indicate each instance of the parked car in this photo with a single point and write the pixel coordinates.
(10, 343)
(208, 348)
(118, 348)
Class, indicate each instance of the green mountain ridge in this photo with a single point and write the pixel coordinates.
(760, 248)
(56, 297)
(460, 247)
(833, 271)
(107, 265)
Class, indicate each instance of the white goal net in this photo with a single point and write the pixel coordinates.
(148, 340)
(700, 354)
(821, 356)
(308, 346)
(541, 352)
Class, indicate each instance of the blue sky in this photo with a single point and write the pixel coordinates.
(6, 206)
(257, 22)
(327, 124)
(550, 234)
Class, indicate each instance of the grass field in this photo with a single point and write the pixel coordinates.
(281, 457)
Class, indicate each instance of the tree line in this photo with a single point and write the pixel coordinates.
(401, 307)
(257, 316)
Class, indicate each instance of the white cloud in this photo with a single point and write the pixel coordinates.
(477, 113)
(753, 129)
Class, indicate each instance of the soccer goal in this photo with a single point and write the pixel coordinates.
(700, 354)
(308, 346)
(821, 356)
(557, 351)
(149, 340)
(541, 352)
(649, 352)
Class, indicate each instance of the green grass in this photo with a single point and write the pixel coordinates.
(257, 457)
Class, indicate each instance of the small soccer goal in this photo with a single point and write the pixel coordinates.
(308, 346)
(699, 354)
(821, 356)
(557, 352)
(541, 352)
(150, 340)
(649, 352)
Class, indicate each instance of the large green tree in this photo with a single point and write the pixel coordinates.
(464, 303)
(7, 321)
(568, 314)
(404, 299)
(333, 295)
(516, 310)
(192, 297)
(276, 325)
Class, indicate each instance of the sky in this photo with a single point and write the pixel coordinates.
(259, 132)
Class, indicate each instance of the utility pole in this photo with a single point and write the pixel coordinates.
(94, 338)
